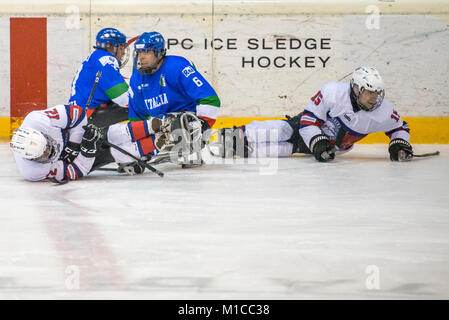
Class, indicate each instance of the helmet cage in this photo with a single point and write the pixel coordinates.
(51, 151)
(380, 97)
(124, 60)
(159, 53)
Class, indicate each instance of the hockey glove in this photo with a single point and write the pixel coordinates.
(322, 148)
(70, 152)
(162, 142)
(163, 125)
(90, 140)
(131, 168)
(400, 150)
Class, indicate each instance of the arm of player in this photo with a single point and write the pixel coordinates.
(68, 117)
(396, 128)
(112, 82)
(207, 110)
(64, 116)
(62, 170)
(314, 116)
(119, 94)
(399, 133)
(59, 170)
(199, 90)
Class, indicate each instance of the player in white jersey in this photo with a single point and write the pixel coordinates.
(40, 144)
(335, 118)
(41, 138)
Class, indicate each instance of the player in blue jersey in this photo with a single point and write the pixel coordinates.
(109, 56)
(162, 84)
(109, 100)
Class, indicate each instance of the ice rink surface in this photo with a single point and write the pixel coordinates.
(361, 227)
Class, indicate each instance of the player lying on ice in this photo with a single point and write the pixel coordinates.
(334, 119)
(40, 151)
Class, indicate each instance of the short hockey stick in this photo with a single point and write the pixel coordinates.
(430, 154)
(97, 79)
(58, 183)
(106, 169)
(141, 162)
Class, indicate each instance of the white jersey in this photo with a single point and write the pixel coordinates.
(62, 123)
(331, 112)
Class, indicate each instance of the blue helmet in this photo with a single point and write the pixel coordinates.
(151, 41)
(115, 38)
(110, 35)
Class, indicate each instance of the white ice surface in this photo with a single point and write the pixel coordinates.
(232, 231)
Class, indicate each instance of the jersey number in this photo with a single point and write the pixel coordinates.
(395, 116)
(52, 114)
(317, 98)
(52, 173)
(197, 81)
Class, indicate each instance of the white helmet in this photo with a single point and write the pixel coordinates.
(367, 78)
(34, 145)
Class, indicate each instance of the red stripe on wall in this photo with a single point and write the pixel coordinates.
(28, 54)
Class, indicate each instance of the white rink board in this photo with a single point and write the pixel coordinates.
(226, 231)
(408, 47)
(4, 68)
(66, 50)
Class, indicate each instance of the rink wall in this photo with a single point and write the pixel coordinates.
(265, 59)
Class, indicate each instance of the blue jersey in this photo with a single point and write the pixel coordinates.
(111, 85)
(175, 86)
